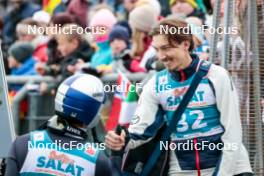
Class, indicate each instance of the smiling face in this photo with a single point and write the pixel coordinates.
(174, 56)
(173, 49)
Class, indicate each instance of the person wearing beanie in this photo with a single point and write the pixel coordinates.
(38, 40)
(191, 2)
(119, 39)
(20, 60)
(103, 18)
(201, 45)
(125, 24)
(120, 43)
(141, 25)
(132, 4)
(186, 8)
(42, 17)
(140, 21)
(19, 54)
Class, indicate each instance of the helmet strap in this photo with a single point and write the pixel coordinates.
(72, 130)
(68, 129)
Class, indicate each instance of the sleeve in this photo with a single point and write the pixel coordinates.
(227, 104)
(147, 119)
(11, 163)
(104, 165)
(17, 155)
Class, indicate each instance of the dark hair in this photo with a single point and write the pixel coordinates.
(62, 18)
(177, 37)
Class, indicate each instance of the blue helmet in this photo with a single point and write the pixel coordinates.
(80, 97)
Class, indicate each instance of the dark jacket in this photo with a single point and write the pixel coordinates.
(84, 52)
(15, 16)
(19, 150)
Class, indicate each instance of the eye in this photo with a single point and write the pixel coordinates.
(165, 48)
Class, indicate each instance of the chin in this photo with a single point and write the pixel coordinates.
(170, 68)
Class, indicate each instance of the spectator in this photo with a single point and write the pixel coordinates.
(54, 56)
(102, 18)
(3, 5)
(42, 17)
(131, 4)
(125, 24)
(73, 48)
(141, 25)
(21, 9)
(186, 8)
(21, 61)
(119, 42)
(38, 40)
(201, 46)
(79, 9)
(74, 51)
(23, 32)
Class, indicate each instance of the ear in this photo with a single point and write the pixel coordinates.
(75, 42)
(186, 45)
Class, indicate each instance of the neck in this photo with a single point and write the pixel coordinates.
(186, 72)
(185, 64)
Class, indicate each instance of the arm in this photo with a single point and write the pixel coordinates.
(11, 167)
(104, 165)
(145, 122)
(17, 155)
(227, 104)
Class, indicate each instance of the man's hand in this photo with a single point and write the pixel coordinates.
(114, 141)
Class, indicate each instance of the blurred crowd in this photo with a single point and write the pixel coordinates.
(124, 45)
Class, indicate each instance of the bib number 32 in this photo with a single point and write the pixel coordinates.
(197, 124)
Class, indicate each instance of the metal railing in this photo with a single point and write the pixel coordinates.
(36, 100)
(245, 64)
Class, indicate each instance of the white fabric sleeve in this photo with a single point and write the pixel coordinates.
(144, 119)
(227, 104)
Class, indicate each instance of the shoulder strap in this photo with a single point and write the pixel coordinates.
(202, 71)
